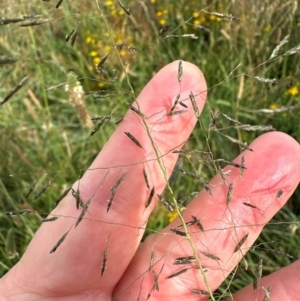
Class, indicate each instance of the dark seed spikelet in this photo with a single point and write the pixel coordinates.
(98, 126)
(250, 205)
(155, 278)
(30, 190)
(126, 10)
(83, 212)
(18, 212)
(214, 119)
(146, 178)
(164, 30)
(194, 104)
(242, 241)
(184, 260)
(119, 121)
(59, 242)
(175, 102)
(167, 204)
(76, 195)
(42, 190)
(62, 196)
(228, 162)
(151, 259)
(197, 176)
(11, 20)
(135, 110)
(211, 256)
(181, 233)
(199, 292)
(229, 194)
(255, 280)
(133, 139)
(207, 188)
(191, 174)
(279, 194)
(231, 119)
(191, 223)
(180, 71)
(68, 36)
(183, 104)
(74, 37)
(34, 23)
(188, 197)
(238, 142)
(178, 273)
(253, 128)
(50, 219)
(179, 112)
(14, 90)
(242, 168)
(150, 197)
(103, 267)
(198, 223)
(7, 60)
(59, 3)
(202, 28)
(102, 61)
(221, 15)
(114, 189)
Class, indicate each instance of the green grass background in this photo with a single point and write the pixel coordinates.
(42, 136)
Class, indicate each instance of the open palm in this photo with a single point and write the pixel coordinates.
(102, 257)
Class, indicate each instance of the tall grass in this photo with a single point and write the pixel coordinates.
(45, 127)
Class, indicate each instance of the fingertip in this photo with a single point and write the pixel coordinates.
(283, 153)
(192, 76)
(283, 139)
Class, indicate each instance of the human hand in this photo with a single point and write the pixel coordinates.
(77, 270)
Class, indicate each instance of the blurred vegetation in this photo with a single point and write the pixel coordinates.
(45, 127)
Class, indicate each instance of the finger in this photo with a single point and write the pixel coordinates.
(283, 285)
(94, 255)
(271, 167)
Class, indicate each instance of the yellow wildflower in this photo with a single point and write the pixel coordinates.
(88, 40)
(172, 216)
(274, 106)
(96, 60)
(93, 53)
(268, 28)
(162, 22)
(107, 48)
(293, 91)
(215, 18)
(122, 52)
(109, 3)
